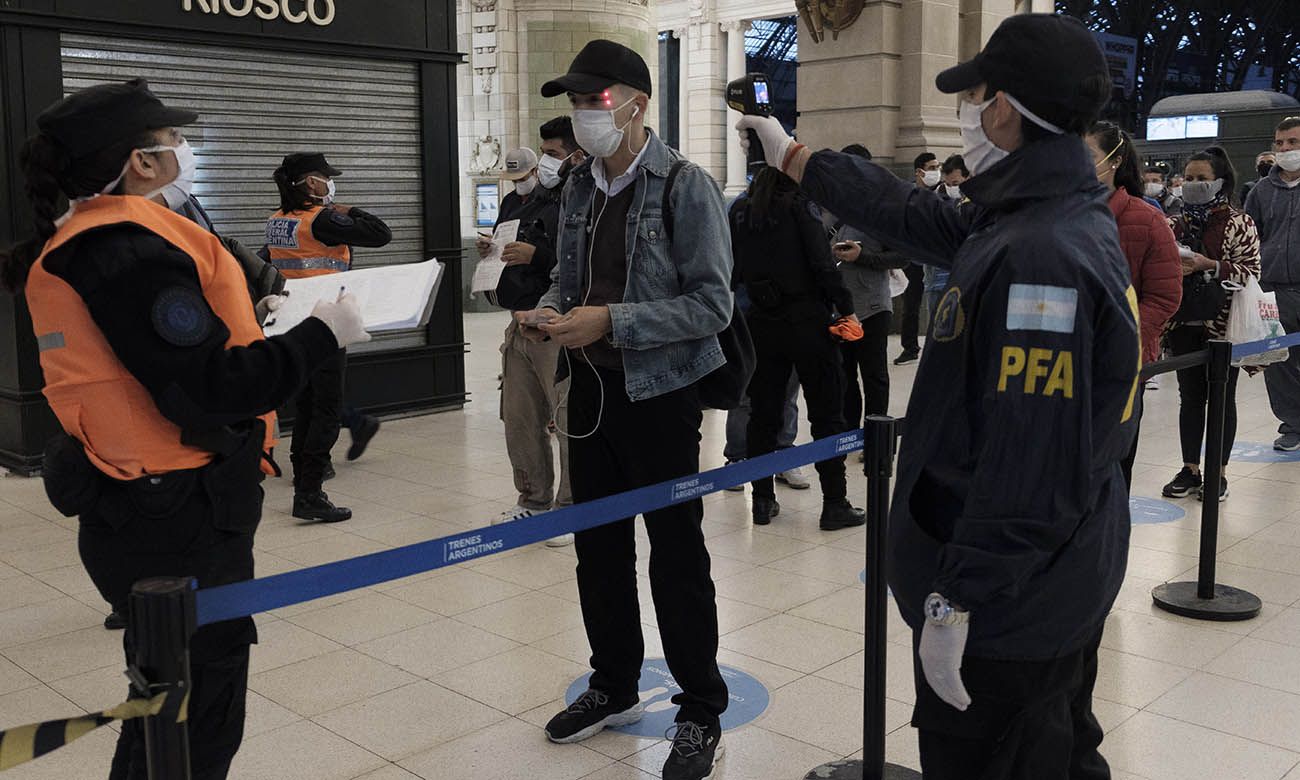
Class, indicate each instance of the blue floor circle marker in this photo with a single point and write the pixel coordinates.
(1146, 511)
(862, 576)
(1257, 452)
(749, 698)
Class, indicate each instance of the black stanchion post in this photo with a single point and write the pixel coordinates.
(162, 620)
(1204, 599)
(880, 436)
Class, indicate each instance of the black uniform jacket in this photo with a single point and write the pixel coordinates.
(121, 271)
(1009, 499)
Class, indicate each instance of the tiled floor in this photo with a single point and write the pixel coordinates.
(449, 675)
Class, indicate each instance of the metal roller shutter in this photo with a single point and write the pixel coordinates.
(256, 105)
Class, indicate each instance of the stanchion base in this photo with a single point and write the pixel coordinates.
(1228, 604)
(852, 770)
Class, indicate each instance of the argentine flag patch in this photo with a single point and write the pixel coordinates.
(1042, 307)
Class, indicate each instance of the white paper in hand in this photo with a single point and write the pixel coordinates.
(392, 297)
(487, 274)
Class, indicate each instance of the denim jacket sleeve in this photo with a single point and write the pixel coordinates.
(700, 251)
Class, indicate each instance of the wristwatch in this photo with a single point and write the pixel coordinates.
(940, 611)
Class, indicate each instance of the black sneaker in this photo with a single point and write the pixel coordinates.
(329, 473)
(837, 514)
(1182, 485)
(908, 356)
(1223, 490)
(590, 713)
(317, 506)
(364, 431)
(765, 509)
(734, 488)
(115, 621)
(695, 751)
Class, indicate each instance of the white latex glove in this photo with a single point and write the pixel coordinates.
(343, 317)
(941, 651)
(263, 308)
(776, 143)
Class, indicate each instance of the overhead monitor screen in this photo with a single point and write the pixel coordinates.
(1166, 128)
(1203, 126)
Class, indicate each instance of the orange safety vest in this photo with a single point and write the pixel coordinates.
(297, 252)
(97, 400)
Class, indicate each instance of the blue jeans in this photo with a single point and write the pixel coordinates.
(738, 421)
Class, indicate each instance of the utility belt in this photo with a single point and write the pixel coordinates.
(232, 483)
(768, 295)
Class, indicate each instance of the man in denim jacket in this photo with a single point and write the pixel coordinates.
(638, 307)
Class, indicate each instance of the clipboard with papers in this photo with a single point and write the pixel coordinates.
(392, 297)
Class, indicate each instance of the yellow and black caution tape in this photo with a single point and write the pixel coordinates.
(27, 743)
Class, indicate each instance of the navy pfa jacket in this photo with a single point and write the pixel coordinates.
(1009, 499)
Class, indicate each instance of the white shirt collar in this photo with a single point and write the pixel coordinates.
(620, 183)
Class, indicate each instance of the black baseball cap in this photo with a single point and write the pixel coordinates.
(299, 164)
(1042, 60)
(600, 65)
(102, 116)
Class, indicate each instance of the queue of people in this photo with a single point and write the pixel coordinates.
(1055, 280)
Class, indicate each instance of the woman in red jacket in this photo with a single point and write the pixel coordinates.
(1146, 239)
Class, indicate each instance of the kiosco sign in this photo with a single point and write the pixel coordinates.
(320, 12)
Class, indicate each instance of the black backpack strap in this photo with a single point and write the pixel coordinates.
(667, 208)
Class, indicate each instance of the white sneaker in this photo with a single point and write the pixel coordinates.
(794, 478)
(563, 540)
(518, 512)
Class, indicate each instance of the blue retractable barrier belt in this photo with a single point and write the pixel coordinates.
(1240, 351)
(250, 597)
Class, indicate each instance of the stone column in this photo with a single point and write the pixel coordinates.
(704, 144)
(928, 118)
(682, 34)
(979, 18)
(736, 165)
(848, 86)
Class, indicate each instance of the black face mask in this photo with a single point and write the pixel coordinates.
(1263, 169)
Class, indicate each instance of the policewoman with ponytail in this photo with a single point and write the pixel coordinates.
(158, 372)
(311, 235)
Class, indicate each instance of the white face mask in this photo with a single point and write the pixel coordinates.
(177, 191)
(977, 150)
(595, 131)
(1198, 193)
(931, 178)
(953, 192)
(330, 190)
(1288, 161)
(1177, 191)
(548, 170)
(1154, 189)
(525, 187)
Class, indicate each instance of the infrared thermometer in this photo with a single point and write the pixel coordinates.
(750, 96)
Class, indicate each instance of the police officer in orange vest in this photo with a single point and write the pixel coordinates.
(312, 235)
(158, 372)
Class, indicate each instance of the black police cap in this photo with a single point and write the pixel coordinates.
(1042, 60)
(600, 65)
(102, 116)
(299, 164)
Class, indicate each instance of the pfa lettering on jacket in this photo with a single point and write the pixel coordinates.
(1037, 371)
(282, 232)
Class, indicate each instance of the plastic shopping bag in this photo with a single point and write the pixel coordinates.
(897, 282)
(1254, 317)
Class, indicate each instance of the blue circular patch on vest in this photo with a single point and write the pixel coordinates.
(748, 698)
(1255, 452)
(181, 317)
(1145, 511)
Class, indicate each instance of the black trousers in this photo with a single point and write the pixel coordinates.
(807, 347)
(172, 530)
(1028, 720)
(867, 358)
(637, 444)
(1194, 395)
(318, 415)
(911, 313)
